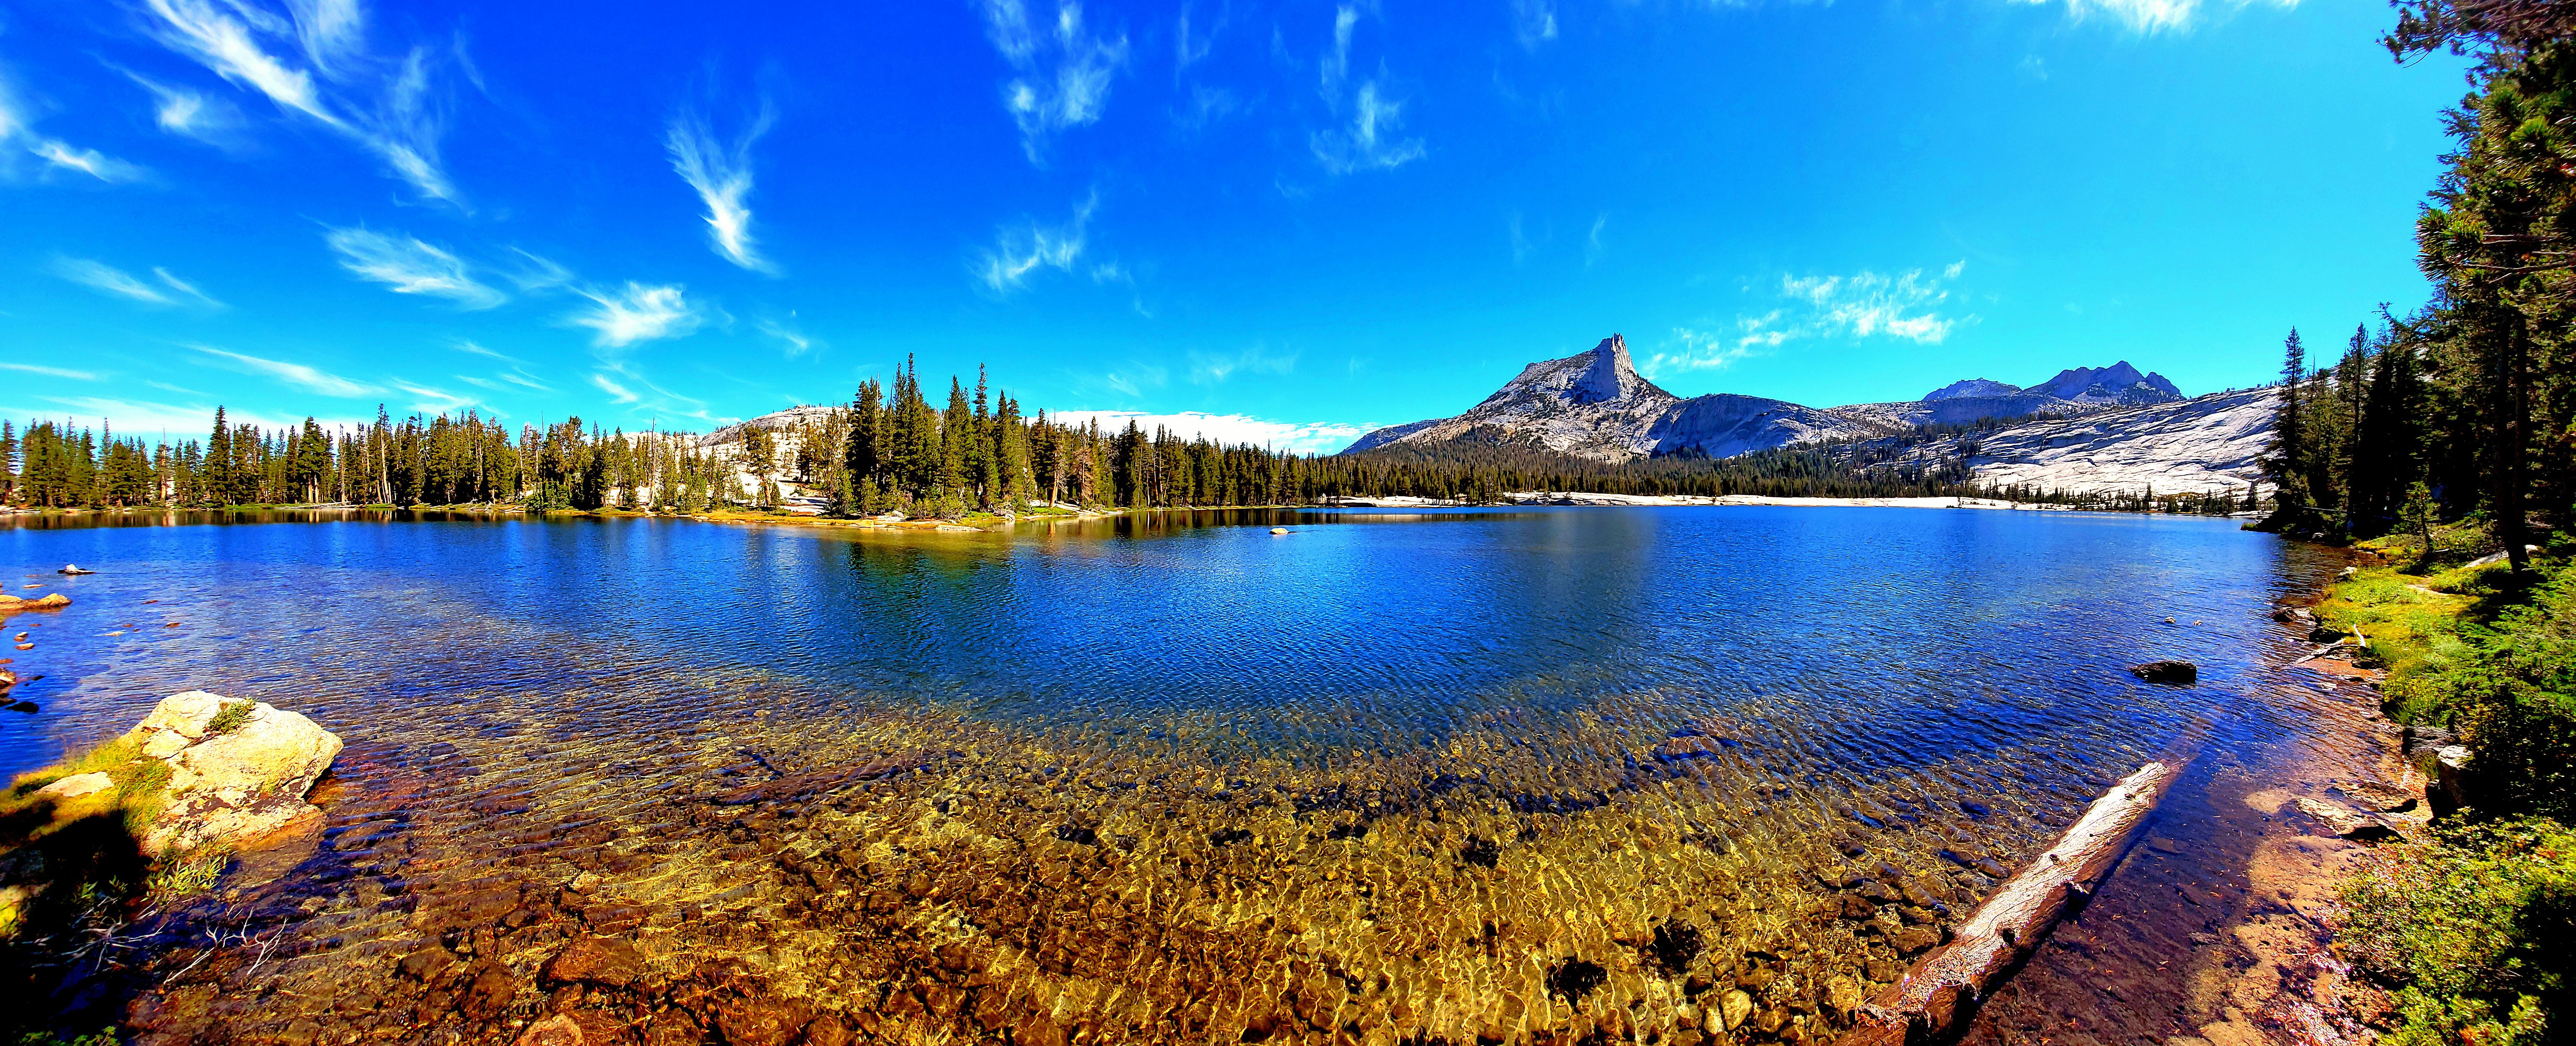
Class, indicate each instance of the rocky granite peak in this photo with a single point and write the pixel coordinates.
(1970, 388)
(1595, 405)
(2118, 383)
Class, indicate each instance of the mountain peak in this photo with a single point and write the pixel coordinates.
(2117, 383)
(1611, 376)
(1972, 387)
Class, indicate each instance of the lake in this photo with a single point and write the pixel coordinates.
(1503, 774)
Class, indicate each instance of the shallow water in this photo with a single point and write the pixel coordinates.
(1504, 775)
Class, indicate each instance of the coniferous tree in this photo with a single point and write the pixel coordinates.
(2287, 463)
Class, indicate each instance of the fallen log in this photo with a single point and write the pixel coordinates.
(1933, 1000)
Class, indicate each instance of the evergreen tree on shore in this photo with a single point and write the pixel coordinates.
(2287, 464)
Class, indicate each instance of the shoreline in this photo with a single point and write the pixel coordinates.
(988, 523)
(2219, 933)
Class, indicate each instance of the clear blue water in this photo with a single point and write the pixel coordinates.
(1932, 629)
(1730, 701)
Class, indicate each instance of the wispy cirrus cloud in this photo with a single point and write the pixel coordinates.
(628, 387)
(1533, 22)
(721, 174)
(136, 416)
(1909, 306)
(406, 265)
(1130, 380)
(108, 279)
(1373, 140)
(1371, 136)
(50, 372)
(1870, 304)
(435, 400)
(387, 104)
(20, 141)
(2152, 16)
(1062, 72)
(502, 381)
(637, 312)
(1022, 250)
(794, 341)
(1216, 368)
(608, 385)
(1693, 349)
(300, 375)
(191, 113)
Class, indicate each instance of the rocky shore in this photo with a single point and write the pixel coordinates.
(2224, 940)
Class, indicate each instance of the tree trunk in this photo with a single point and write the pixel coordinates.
(1933, 1000)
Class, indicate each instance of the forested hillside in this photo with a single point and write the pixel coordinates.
(890, 450)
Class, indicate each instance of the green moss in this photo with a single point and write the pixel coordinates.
(101, 1037)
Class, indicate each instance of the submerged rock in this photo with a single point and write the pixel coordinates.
(596, 960)
(558, 1030)
(2170, 673)
(2347, 823)
(2378, 796)
(238, 769)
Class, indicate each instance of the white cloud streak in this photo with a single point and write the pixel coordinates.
(50, 372)
(1061, 72)
(636, 313)
(1372, 141)
(789, 338)
(1907, 306)
(621, 392)
(1213, 369)
(1717, 350)
(1336, 66)
(1869, 304)
(409, 266)
(1533, 22)
(2152, 16)
(385, 104)
(109, 279)
(722, 176)
(1018, 252)
(19, 140)
(296, 374)
(190, 113)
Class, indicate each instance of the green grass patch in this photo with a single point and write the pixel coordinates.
(229, 718)
(2471, 930)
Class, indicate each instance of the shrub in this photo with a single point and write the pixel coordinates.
(2472, 931)
(229, 718)
(2515, 695)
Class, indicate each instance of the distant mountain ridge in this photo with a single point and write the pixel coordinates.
(1595, 405)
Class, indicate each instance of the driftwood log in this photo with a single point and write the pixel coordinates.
(1933, 1000)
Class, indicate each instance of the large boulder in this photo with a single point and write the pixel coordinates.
(50, 601)
(238, 769)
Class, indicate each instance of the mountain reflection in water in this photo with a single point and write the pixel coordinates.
(1499, 775)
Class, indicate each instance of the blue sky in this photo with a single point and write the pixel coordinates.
(1286, 221)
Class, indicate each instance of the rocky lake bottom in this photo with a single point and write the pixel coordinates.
(1593, 774)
